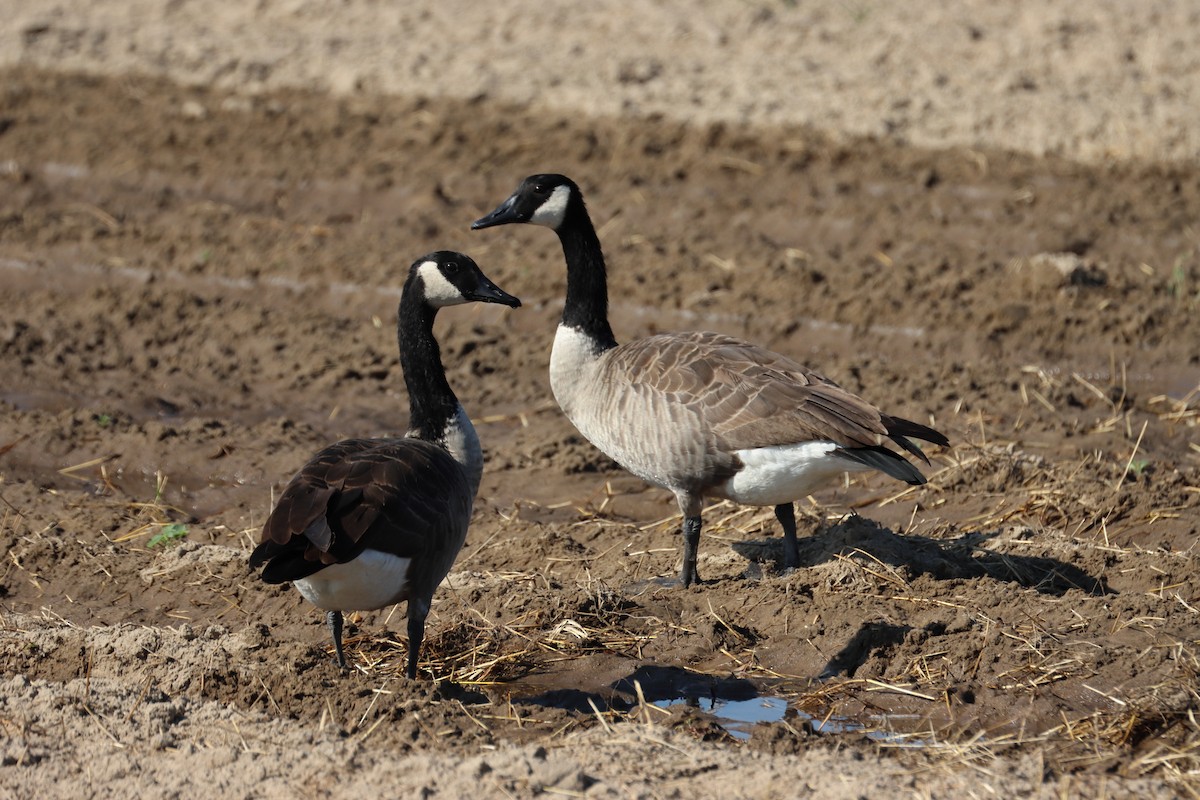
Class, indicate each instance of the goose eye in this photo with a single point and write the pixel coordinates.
(539, 188)
(451, 268)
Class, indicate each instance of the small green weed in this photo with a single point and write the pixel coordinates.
(170, 534)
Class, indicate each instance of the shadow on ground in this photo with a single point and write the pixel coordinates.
(944, 559)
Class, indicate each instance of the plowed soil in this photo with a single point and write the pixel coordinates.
(200, 290)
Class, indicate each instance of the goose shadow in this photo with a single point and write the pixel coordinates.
(871, 637)
(943, 559)
(676, 684)
(658, 683)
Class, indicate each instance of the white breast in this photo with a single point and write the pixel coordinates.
(781, 474)
(636, 429)
(462, 442)
(373, 580)
(572, 364)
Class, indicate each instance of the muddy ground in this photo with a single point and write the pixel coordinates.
(200, 291)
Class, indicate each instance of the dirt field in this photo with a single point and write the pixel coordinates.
(200, 290)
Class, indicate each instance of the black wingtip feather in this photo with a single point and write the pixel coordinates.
(900, 429)
(910, 447)
(897, 426)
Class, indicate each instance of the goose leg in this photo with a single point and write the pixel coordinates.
(691, 542)
(334, 620)
(791, 551)
(416, 632)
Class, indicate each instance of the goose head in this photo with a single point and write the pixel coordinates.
(539, 200)
(446, 278)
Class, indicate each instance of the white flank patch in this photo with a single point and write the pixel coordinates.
(774, 475)
(552, 212)
(439, 292)
(373, 580)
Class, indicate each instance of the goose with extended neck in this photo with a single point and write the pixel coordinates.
(372, 522)
(699, 414)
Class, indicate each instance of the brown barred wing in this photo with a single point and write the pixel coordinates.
(406, 497)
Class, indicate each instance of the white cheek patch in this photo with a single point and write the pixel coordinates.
(438, 291)
(552, 212)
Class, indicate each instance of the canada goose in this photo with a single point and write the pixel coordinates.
(370, 522)
(699, 414)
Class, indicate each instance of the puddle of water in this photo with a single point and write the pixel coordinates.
(736, 704)
(736, 716)
(739, 717)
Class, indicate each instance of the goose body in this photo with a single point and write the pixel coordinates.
(368, 523)
(700, 414)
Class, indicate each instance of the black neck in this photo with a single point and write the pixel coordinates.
(586, 307)
(431, 402)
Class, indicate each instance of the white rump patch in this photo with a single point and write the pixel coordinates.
(439, 292)
(371, 581)
(552, 212)
(781, 474)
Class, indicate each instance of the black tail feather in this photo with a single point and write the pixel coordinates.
(885, 461)
(283, 563)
